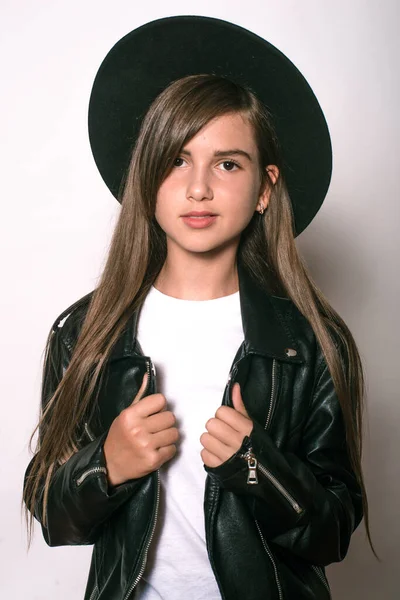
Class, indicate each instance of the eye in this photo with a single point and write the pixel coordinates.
(231, 164)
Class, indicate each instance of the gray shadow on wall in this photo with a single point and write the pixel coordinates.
(334, 257)
(335, 261)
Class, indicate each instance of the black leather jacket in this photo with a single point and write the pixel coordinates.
(270, 539)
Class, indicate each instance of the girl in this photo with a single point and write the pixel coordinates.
(201, 408)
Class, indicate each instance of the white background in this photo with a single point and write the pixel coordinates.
(57, 217)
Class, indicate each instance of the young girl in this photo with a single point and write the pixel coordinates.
(201, 408)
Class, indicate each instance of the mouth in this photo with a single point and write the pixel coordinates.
(199, 220)
(194, 214)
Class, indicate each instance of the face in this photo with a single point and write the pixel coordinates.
(217, 173)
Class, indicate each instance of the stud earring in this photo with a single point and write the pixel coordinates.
(262, 210)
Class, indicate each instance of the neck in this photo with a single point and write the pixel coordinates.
(198, 276)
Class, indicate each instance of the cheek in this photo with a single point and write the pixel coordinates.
(163, 204)
(168, 190)
(246, 202)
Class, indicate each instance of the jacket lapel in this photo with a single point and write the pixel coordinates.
(266, 321)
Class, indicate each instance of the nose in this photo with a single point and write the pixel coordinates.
(199, 185)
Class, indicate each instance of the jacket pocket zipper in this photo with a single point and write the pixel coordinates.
(253, 463)
(252, 478)
(85, 474)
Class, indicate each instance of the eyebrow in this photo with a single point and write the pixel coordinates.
(233, 152)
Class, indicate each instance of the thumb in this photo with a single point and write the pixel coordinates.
(238, 400)
(141, 389)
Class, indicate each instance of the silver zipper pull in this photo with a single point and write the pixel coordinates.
(252, 474)
(252, 477)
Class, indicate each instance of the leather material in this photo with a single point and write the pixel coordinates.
(267, 540)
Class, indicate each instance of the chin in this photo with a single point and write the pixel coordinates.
(203, 247)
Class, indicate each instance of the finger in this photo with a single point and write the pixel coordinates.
(150, 405)
(165, 437)
(166, 452)
(224, 432)
(210, 459)
(159, 421)
(237, 400)
(235, 419)
(220, 450)
(141, 389)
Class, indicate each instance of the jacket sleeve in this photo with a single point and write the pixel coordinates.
(79, 498)
(310, 502)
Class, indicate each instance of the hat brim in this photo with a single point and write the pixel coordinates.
(141, 64)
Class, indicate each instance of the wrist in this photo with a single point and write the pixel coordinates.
(111, 477)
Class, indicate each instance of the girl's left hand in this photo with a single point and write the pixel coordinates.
(225, 431)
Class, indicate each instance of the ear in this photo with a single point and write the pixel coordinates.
(272, 178)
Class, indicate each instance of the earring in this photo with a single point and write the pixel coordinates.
(262, 210)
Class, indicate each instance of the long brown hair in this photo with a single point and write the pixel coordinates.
(138, 250)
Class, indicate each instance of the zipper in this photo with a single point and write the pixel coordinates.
(89, 433)
(94, 594)
(149, 363)
(252, 478)
(143, 566)
(85, 474)
(322, 577)
(268, 551)
(280, 487)
(273, 387)
(254, 464)
(149, 366)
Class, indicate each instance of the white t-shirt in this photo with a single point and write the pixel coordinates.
(192, 344)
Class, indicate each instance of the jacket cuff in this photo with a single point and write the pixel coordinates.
(277, 494)
(80, 497)
(232, 474)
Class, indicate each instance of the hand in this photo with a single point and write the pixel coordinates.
(226, 431)
(141, 438)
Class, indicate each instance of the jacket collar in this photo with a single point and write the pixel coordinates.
(266, 323)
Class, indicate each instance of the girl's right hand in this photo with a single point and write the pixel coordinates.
(141, 438)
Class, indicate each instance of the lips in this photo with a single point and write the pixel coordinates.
(199, 220)
(199, 214)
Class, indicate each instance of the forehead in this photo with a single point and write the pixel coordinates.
(232, 129)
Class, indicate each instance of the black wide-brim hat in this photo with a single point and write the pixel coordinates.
(141, 64)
